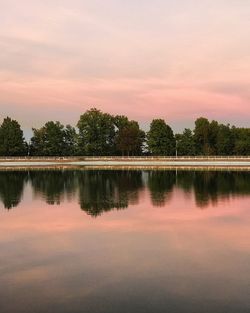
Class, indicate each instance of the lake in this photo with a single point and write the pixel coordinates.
(123, 241)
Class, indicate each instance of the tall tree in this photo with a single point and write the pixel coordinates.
(130, 139)
(201, 136)
(70, 140)
(225, 140)
(242, 141)
(96, 133)
(160, 138)
(213, 137)
(53, 139)
(12, 142)
(185, 143)
(121, 121)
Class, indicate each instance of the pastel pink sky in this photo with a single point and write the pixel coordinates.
(176, 60)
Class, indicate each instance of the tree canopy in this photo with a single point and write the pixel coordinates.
(12, 142)
(129, 139)
(53, 139)
(185, 143)
(160, 138)
(98, 133)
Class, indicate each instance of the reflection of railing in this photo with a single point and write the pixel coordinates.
(122, 158)
(60, 167)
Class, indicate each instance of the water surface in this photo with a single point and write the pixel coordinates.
(124, 241)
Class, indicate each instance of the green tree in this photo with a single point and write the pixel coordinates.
(70, 140)
(242, 141)
(12, 142)
(121, 121)
(201, 136)
(53, 140)
(225, 140)
(185, 143)
(130, 139)
(213, 137)
(160, 138)
(96, 133)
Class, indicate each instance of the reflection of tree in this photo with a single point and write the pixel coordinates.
(53, 185)
(161, 184)
(11, 188)
(208, 186)
(205, 188)
(184, 180)
(101, 191)
(211, 186)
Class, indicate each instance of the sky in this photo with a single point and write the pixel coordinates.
(176, 60)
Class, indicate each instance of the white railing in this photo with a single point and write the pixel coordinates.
(106, 158)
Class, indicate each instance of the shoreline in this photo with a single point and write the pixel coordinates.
(126, 162)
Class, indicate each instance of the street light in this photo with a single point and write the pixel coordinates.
(29, 147)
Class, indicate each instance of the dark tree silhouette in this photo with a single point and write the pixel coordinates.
(12, 142)
(160, 138)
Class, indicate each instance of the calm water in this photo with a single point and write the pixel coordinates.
(124, 241)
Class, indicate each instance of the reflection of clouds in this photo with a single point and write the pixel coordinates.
(59, 254)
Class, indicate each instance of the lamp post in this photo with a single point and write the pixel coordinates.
(29, 148)
(176, 156)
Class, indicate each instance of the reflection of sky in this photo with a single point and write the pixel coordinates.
(174, 257)
(175, 59)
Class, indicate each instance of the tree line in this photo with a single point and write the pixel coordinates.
(98, 133)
